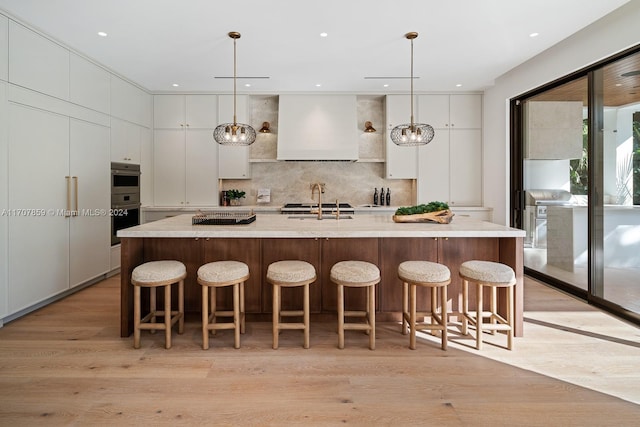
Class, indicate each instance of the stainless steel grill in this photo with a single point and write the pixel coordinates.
(537, 202)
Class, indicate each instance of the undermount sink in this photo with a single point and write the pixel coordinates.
(313, 216)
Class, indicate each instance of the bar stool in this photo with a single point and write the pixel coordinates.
(289, 274)
(494, 275)
(153, 275)
(220, 274)
(430, 275)
(357, 274)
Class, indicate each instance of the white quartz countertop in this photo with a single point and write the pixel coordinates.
(275, 226)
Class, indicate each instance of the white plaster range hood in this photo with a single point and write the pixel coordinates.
(317, 127)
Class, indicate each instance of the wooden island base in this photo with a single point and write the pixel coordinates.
(322, 253)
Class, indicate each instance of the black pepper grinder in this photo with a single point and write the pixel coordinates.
(388, 197)
(382, 199)
(375, 196)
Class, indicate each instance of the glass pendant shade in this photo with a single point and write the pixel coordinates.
(234, 133)
(409, 134)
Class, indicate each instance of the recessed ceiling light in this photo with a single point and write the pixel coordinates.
(386, 85)
(247, 85)
(534, 35)
(323, 34)
(175, 85)
(318, 85)
(102, 34)
(459, 85)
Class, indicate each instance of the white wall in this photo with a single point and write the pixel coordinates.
(613, 33)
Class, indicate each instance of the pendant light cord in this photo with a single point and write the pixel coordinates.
(412, 85)
(234, 82)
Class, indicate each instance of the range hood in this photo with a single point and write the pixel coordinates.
(317, 127)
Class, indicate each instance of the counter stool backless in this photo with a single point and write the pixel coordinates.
(154, 275)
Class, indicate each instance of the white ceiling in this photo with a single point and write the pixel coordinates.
(157, 43)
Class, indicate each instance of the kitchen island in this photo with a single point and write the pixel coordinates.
(270, 238)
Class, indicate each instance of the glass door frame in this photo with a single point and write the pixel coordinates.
(595, 209)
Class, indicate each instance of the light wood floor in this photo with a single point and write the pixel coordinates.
(66, 365)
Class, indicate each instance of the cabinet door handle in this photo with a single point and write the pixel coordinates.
(75, 195)
(67, 212)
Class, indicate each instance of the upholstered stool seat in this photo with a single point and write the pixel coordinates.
(425, 274)
(220, 274)
(290, 273)
(153, 275)
(494, 275)
(356, 274)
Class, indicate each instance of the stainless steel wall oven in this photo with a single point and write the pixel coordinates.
(125, 198)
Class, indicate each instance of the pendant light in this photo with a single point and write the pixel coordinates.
(234, 133)
(412, 133)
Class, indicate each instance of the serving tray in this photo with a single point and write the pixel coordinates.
(441, 217)
(223, 218)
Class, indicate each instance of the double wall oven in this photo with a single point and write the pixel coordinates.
(125, 198)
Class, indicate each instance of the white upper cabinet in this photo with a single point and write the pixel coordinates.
(434, 110)
(451, 111)
(401, 162)
(4, 48)
(4, 180)
(185, 111)
(37, 63)
(89, 84)
(233, 160)
(129, 102)
(125, 141)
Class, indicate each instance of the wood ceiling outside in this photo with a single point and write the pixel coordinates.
(614, 96)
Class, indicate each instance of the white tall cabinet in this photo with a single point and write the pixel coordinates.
(4, 203)
(450, 167)
(59, 164)
(184, 152)
(4, 48)
(401, 162)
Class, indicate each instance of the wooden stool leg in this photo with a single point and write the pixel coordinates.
(213, 304)
(443, 316)
(236, 315)
(136, 317)
(305, 311)
(152, 306)
(412, 316)
(405, 306)
(372, 317)
(242, 312)
(510, 317)
(340, 316)
(167, 316)
(479, 316)
(465, 306)
(205, 317)
(434, 305)
(493, 309)
(276, 314)
(181, 307)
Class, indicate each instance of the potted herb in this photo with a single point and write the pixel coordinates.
(234, 196)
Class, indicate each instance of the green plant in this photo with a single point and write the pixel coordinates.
(419, 209)
(235, 194)
(578, 168)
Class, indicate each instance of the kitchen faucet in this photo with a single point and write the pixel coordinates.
(320, 187)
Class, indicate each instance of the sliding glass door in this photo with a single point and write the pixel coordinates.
(577, 142)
